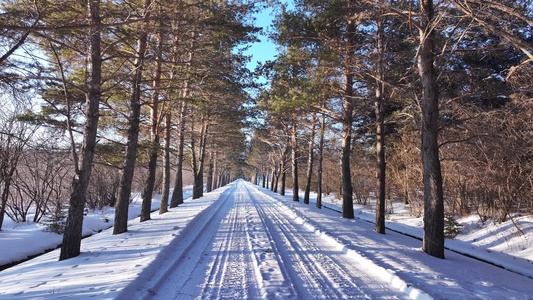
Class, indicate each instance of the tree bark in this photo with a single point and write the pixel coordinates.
(310, 160)
(209, 183)
(380, 136)
(272, 179)
(433, 242)
(5, 196)
(73, 228)
(284, 168)
(163, 207)
(346, 185)
(278, 174)
(154, 132)
(215, 171)
(198, 167)
(177, 194)
(321, 156)
(121, 211)
(294, 142)
(263, 177)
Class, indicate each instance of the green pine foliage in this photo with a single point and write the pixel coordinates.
(55, 222)
(451, 227)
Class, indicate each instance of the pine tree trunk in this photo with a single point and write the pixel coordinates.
(154, 132)
(163, 207)
(310, 160)
(346, 185)
(433, 242)
(121, 211)
(294, 142)
(380, 136)
(278, 174)
(321, 156)
(209, 183)
(215, 171)
(198, 167)
(177, 194)
(73, 229)
(272, 176)
(284, 158)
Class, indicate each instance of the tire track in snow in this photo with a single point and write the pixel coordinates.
(233, 274)
(217, 262)
(316, 268)
(270, 268)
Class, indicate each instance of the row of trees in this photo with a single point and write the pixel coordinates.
(428, 101)
(159, 84)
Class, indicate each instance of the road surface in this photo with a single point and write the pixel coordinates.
(255, 247)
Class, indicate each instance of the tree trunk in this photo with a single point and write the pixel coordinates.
(272, 179)
(5, 196)
(346, 185)
(121, 211)
(433, 242)
(278, 174)
(154, 132)
(294, 142)
(310, 160)
(209, 184)
(73, 228)
(215, 171)
(321, 156)
(163, 207)
(198, 167)
(380, 136)
(284, 168)
(177, 194)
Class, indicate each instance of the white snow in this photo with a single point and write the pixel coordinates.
(242, 241)
(20, 241)
(501, 244)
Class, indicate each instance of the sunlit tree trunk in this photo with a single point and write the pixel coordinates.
(121, 210)
(310, 160)
(71, 244)
(154, 132)
(294, 143)
(380, 136)
(321, 156)
(433, 242)
(209, 183)
(163, 207)
(346, 185)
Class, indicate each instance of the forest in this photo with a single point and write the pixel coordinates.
(425, 101)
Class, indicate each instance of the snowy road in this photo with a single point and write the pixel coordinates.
(255, 247)
(245, 242)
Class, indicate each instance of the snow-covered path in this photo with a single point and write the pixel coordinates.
(254, 248)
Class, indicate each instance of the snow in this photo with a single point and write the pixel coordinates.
(20, 241)
(500, 244)
(242, 241)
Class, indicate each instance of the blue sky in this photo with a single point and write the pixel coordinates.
(265, 49)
